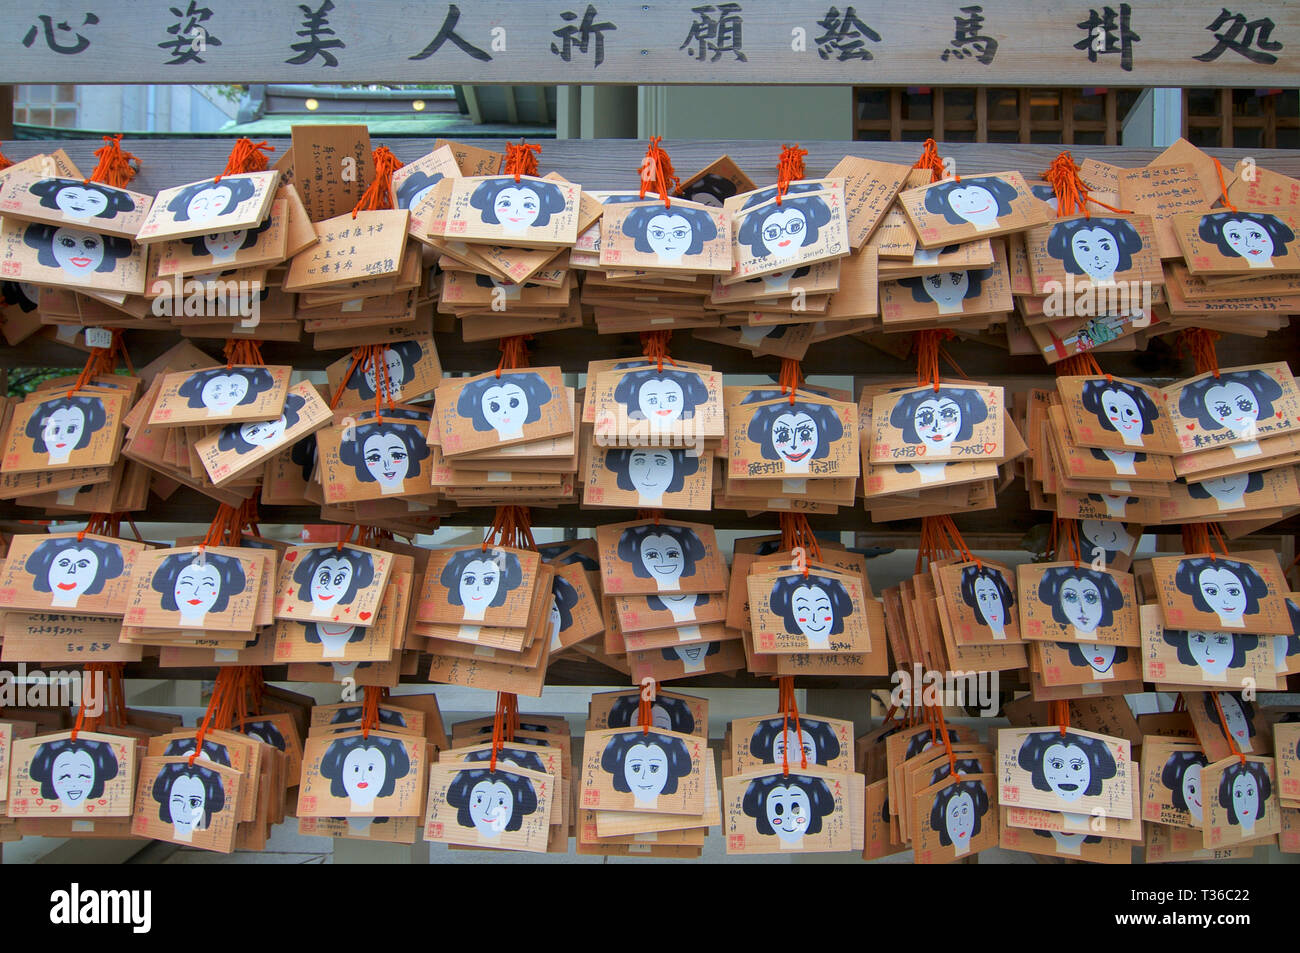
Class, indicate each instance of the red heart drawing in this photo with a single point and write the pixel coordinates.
(54, 808)
(1278, 415)
(363, 616)
(920, 451)
(90, 808)
(1191, 426)
(40, 801)
(290, 556)
(990, 447)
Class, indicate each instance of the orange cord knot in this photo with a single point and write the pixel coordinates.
(657, 171)
(654, 347)
(521, 159)
(789, 168)
(5, 161)
(378, 194)
(791, 376)
(246, 156)
(931, 160)
(928, 345)
(1200, 341)
(116, 167)
(514, 352)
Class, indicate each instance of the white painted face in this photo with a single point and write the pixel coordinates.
(329, 584)
(62, 430)
(959, 819)
(925, 256)
(1192, 791)
(1249, 240)
(1123, 461)
(807, 747)
(478, 586)
(1233, 405)
(1224, 593)
(223, 245)
(1096, 251)
(789, 812)
(937, 421)
(1081, 604)
(989, 600)
(334, 638)
(1099, 657)
(777, 281)
(1245, 800)
(517, 207)
(947, 289)
(73, 775)
(1066, 768)
(491, 805)
(554, 619)
(975, 204)
(80, 203)
(650, 471)
(1212, 650)
(692, 656)
(505, 407)
(208, 203)
(71, 573)
(1238, 726)
(196, 590)
(1116, 505)
(784, 232)
(222, 393)
(682, 605)
(660, 401)
(645, 769)
(1110, 535)
(78, 253)
(660, 719)
(1228, 491)
(810, 607)
(186, 804)
(795, 438)
(663, 558)
(414, 201)
(1123, 413)
(261, 433)
(387, 460)
(669, 236)
(396, 368)
(364, 773)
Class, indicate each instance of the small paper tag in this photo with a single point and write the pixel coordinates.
(99, 337)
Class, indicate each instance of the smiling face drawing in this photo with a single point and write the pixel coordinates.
(663, 559)
(62, 430)
(1067, 771)
(505, 407)
(491, 805)
(387, 460)
(1107, 535)
(795, 438)
(651, 471)
(976, 205)
(1096, 251)
(1233, 405)
(937, 422)
(1081, 603)
(783, 232)
(692, 657)
(959, 819)
(807, 749)
(669, 236)
(79, 203)
(329, 583)
(1123, 413)
(788, 813)
(1225, 594)
(1229, 492)
(988, 599)
(334, 638)
(187, 805)
(1245, 801)
(812, 613)
(517, 208)
(364, 773)
(660, 401)
(947, 289)
(208, 203)
(478, 587)
(645, 769)
(196, 591)
(78, 253)
(1249, 240)
(73, 775)
(1123, 461)
(1213, 652)
(221, 394)
(223, 245)
(1192, 791)
(261, 433)
(71, 573)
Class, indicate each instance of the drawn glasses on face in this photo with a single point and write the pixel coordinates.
(937, 419)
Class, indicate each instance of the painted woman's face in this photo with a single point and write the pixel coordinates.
(1099, 657)
(396, 369)
(1192, 791)
(645, 769)
(330, 582)
(78, 253)
(669, 235)
(554, 619)
(62, 430)
(478, 586)
(223, 245)
(261, 433)
(1223, 592)
(1238, 726)
(988, 597)
(197, 588)
(414, 201)
(1123, 413)
(387, 459)
(811, 609)
(959, 818)
(1081, 603)
(1108, 535)
(224, 392)
(1067, 771)
(73, 775)
(187, 804)
(78, 202)
(784, 232)
(807, 747)
(1227, 490)
(517, 208)
(208, 203)
(1233, 405)
(662, 557)
(505, 407)
(364, 772)
(1245, 799)
(650, 471)
(1248, 239)
(71, 573)
(795, 438)
(660, 401)
(660, 719)
(691, 655)
(491, 806)
(1096, 251)
(1212, 650)
(937, 421)
(975, 204)
(947, 289)
(788, 812)
(1123, 461)
(333, 637)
